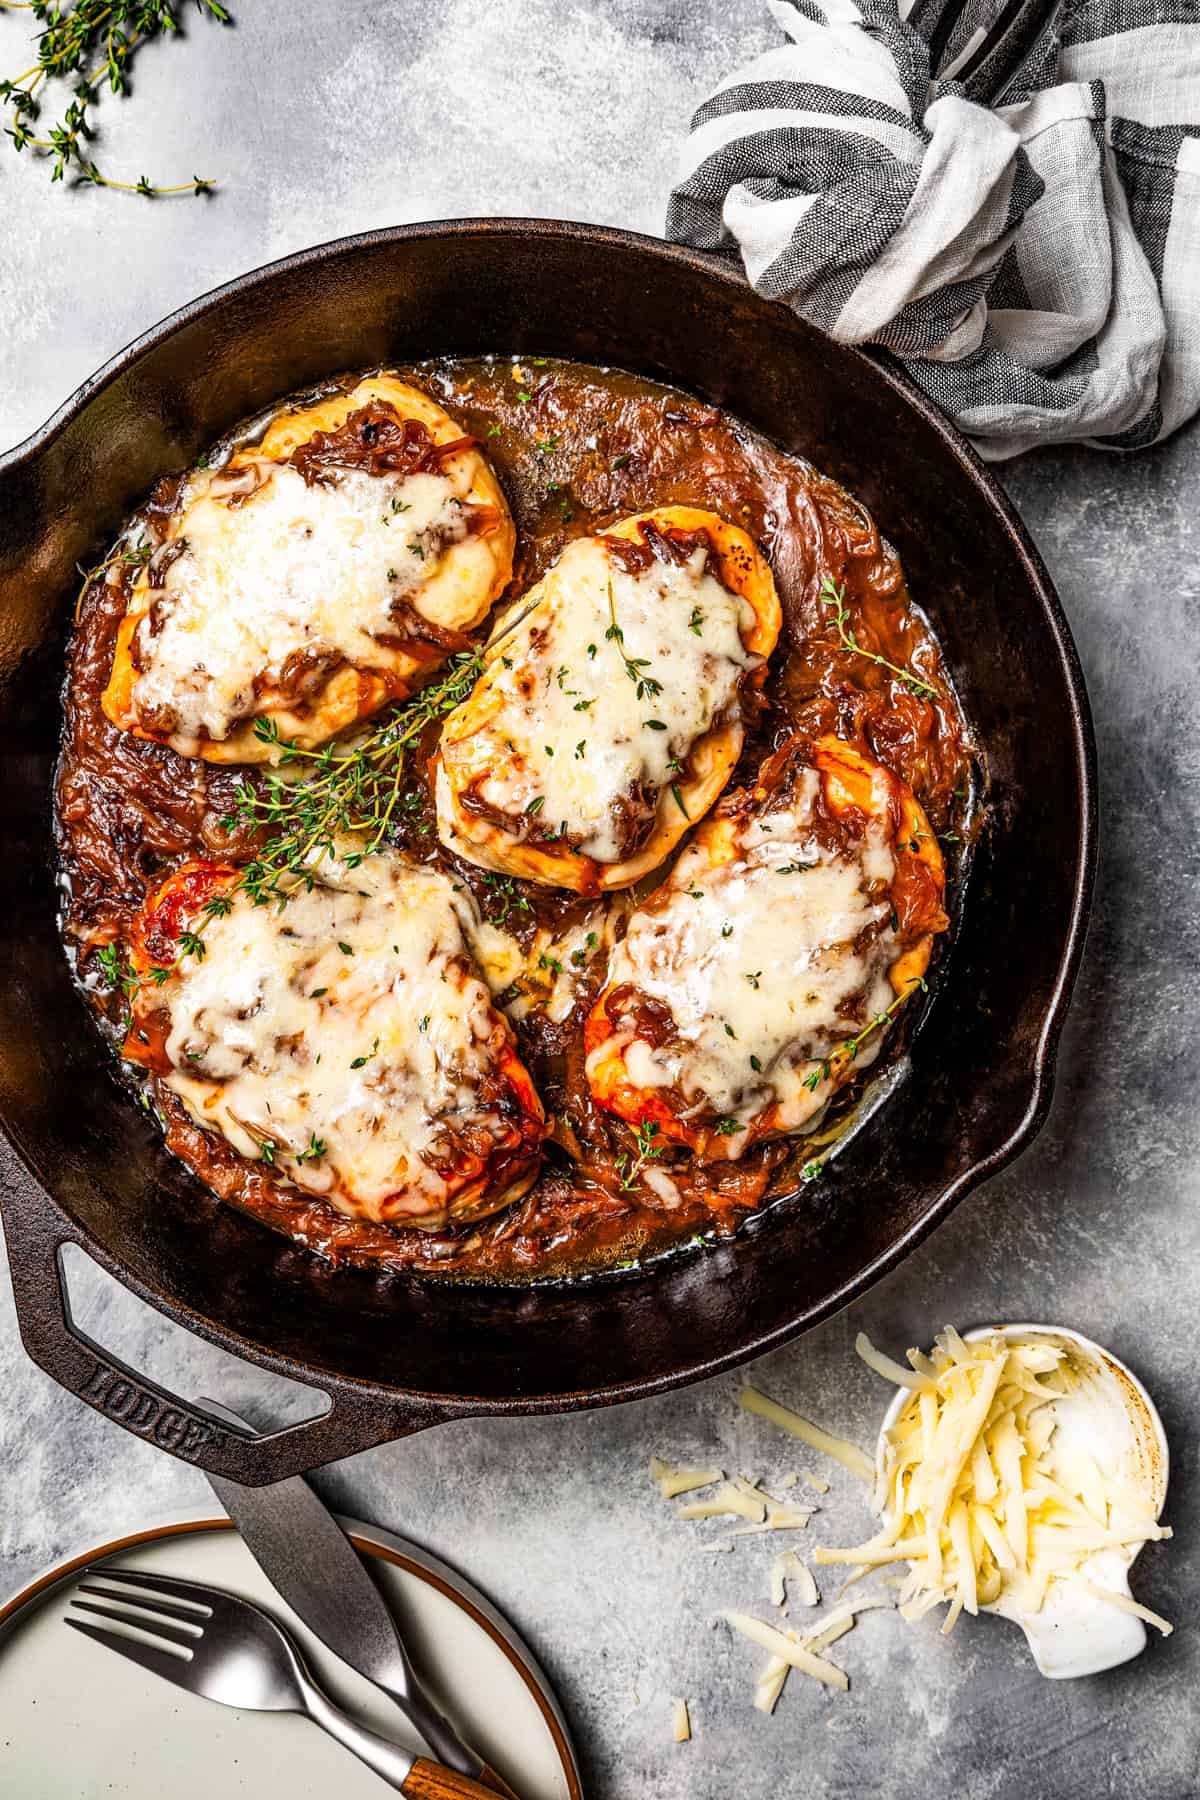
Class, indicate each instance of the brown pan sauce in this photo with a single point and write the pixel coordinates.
(576, 448)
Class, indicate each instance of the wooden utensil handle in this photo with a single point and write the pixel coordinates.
(490, 1779)
(430, 1781)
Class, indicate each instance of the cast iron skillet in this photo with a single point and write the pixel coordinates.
(399, 1355)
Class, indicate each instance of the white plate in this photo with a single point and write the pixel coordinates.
(78, 1722)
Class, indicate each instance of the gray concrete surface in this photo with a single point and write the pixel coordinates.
(324, 119)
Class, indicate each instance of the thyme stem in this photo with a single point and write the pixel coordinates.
(834, 596)
(852, 1045)
(647, 687)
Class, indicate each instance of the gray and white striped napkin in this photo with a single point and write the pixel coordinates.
(1005, 193)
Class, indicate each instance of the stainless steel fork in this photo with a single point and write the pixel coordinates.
(227, 1649)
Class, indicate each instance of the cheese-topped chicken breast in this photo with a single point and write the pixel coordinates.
(770, 964)
(316, 575)
(344, 1040)
(609, 719)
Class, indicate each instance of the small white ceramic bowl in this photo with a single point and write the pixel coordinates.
(1075, 1633)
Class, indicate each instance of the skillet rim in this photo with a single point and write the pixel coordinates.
(1040, 1071)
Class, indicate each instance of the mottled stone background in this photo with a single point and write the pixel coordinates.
(327, 119)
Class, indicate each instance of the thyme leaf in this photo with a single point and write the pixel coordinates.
(503, 897)
(115, 969)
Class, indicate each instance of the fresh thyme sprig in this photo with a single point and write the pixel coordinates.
(852, 1045)
(119, 973)
(647, 687)
(92, 45)
(340, 794)
(344, 793)
(834, 596)
(128, 556)
(630, 1167)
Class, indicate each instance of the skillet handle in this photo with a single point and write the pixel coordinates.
(35, 1233)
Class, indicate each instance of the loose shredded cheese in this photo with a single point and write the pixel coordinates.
(977, 1494)
(770, 1684)
(788, 1518)
(680, 1481)
(1125, 1603)
(727, 1499)
(780, 1516)
(849, 1455)
(781, 1520)
(792, 1650)
(681, 1722)
(788, 1649)
(883, 1365)
(789, 1575)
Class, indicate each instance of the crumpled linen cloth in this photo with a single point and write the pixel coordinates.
(1005, 193)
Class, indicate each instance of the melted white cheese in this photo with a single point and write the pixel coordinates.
(350, 1019)
(569, 752)
(544, 975)
(290, 570)
(756, 960)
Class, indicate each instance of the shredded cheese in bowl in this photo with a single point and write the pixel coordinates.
(1006, 1465)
